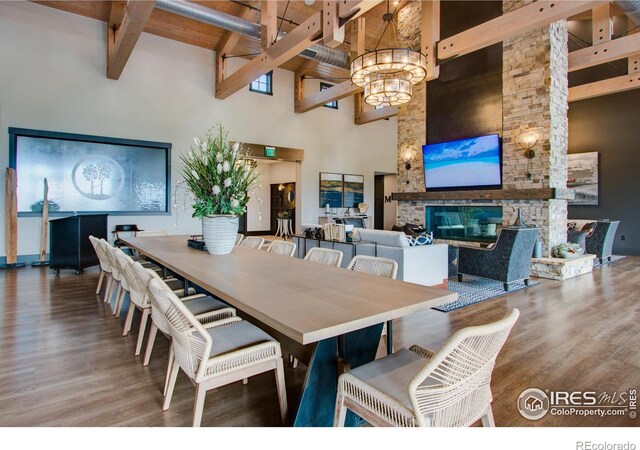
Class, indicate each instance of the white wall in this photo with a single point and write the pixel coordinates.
(391, 208)
(259, 206)
(52, 77)
(283, 172)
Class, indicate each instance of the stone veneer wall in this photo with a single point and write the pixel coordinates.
(535, 91)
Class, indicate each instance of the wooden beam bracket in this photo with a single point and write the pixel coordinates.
(122, 37)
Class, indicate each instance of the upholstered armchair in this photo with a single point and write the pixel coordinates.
(598, 242)
(508, 261)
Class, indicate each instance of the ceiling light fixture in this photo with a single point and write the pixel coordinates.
(388, 74)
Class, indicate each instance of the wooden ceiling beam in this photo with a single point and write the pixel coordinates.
(602, 53)
(282, 51)
(521, 20)
(602, 23)
(430, 35)
(268, 23)
(342, 90)
(352, 9)
(116, 14)
(227, 43)
(604, 87)
(358, 37)
(372, 115)
(332, 32)
(122, 38)
(634, 63)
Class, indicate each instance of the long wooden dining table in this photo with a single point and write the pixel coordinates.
(327, 317)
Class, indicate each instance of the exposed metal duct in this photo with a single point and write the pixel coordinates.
(631, 9)
(232, 23)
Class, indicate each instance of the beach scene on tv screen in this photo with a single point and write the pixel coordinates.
(463, 163)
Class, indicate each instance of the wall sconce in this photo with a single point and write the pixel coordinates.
(281, 187)
(406, 158)
(527, 141)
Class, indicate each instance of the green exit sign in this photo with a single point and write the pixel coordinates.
(270, 152)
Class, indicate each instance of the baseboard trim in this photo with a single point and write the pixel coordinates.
(27, 259)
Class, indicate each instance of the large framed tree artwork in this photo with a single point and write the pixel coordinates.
(93, 174)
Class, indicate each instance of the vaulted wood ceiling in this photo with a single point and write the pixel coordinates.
(172, 26)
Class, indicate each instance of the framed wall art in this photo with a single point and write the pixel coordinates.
(583, 178)
(90, 173)
(330, 190)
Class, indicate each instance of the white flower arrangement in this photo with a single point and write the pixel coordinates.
(217, 176)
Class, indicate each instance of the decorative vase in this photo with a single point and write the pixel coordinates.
(537, 249)
(220, 233)
(519, 222)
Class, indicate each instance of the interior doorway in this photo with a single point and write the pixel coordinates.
(283, 204)
(385, 209)
(273, 196)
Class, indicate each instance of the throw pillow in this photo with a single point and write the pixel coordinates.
(589, 228)
(571, 226)
(421, 239)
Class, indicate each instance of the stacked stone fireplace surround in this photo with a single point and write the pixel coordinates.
(534, 97)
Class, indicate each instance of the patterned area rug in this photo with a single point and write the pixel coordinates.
(475, 289)
(614, 258)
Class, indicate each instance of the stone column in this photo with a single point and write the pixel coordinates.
(535, 90)
(412, 121)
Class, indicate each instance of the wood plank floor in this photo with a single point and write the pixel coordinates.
(63, 361)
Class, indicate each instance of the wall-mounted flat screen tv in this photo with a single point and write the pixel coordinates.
(473, 163)
(89, 174)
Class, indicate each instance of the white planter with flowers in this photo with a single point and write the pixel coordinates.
(219, 181)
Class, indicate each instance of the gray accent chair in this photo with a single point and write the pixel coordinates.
(600, 243)
(508, 261)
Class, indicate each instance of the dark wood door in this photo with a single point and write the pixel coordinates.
(378, 202)
(280, 204)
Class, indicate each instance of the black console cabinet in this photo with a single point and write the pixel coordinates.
(69, 243)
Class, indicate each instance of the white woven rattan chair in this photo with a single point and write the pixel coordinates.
(119, 281)
(253, 242)
(239, 238)
(282, 248)
(373, 265)
(104, 245)
(205, 308)
(324, 256)
(105, 269)
(228, 350)
(380, 267)
(418, 387)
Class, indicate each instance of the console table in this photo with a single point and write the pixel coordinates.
(302, 249)
(331, 219)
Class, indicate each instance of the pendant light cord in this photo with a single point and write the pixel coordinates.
(387, 25)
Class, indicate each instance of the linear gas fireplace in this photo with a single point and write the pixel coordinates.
(464, 223)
